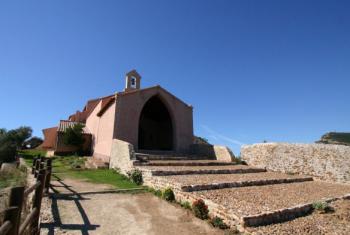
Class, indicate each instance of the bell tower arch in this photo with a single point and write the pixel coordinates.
(132, 81)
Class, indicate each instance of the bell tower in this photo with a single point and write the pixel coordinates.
(133, 81)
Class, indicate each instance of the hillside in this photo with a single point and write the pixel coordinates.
(342, 138)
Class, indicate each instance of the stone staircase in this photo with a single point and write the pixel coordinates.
(167, 155)
(239, 194)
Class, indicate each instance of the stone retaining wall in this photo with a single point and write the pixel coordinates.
(324, 161)
(122, 154)
(284, 214)
(214, 209)
(215, 152)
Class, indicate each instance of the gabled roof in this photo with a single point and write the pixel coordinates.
(82, 116)
(152, 88)
(64, 124)
(106, 102)
(49, 138)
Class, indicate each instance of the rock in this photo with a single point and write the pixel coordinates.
(8, 166)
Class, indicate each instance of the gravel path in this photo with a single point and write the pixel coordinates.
(225, 178)
(257, 199)
(80, 208)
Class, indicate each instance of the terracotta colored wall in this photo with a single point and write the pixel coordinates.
(102, 130)
(104, 137)
(92, 123)
(129, 107)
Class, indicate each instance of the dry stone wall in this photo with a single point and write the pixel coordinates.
(323, 161)
(217, 152)
(122, 154)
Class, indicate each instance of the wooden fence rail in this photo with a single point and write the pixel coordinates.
(41, 169)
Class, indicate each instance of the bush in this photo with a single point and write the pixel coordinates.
(218, 223)
(74, 136)
(158, 193)
(136, 176)
(155, 192)
(200, 209)
(7, 151)
(185, 205)
(11, 141)
(321, 207)
(168, 194)
(77, 163)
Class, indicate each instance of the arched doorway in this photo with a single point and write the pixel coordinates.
(155, 126)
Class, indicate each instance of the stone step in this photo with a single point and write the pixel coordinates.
(191, 183)
(179, 157)
(183, 163)
(212, 186)
(195, 170)
(263, 205)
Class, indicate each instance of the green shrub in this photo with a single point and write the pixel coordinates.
(218, 223)
(185, 205)
(168, 194)
(158, 193)
(136, 176)
(155, 192)
(200, 209)
(321, 207)
(7, 151)
(76, 163)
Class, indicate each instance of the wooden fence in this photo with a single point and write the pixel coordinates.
(12, 224)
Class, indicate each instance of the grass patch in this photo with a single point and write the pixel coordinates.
(29, 154)
(102, 176)
(73, 167)
(12, 177)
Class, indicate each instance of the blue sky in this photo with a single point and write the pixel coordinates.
(253, 70)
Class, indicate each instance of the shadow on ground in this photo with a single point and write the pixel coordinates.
(76, 198)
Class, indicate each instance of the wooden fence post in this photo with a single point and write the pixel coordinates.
(34, 164)
(48, 176)
(35, 228)
(13, 214)
(37, 166)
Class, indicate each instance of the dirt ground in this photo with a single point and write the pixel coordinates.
(79, 207)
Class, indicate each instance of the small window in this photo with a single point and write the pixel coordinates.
(133, 82)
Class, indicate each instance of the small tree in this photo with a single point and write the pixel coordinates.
(11, 141)
(7, 149)
(19, 136)
(74, 136)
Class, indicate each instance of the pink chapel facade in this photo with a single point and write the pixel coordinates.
(149, 119)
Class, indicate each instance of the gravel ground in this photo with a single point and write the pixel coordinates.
(336, 223)
(226, 178)
(185, 168)
(93, 212)
(257, 199)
